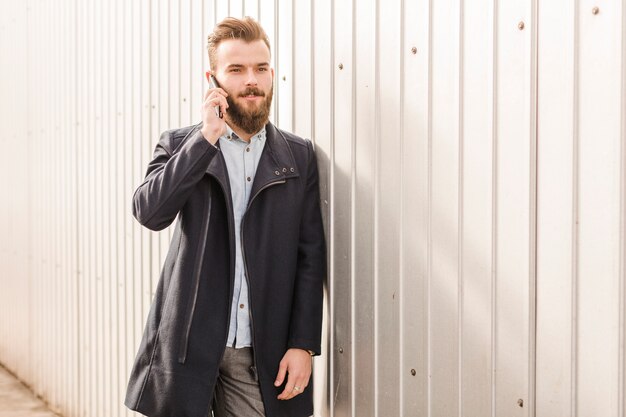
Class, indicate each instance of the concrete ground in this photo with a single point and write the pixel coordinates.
(16, 400)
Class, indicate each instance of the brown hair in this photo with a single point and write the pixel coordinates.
(246, 29)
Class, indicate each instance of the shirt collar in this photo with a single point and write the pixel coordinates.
(231, 135)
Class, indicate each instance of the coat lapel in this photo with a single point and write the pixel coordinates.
(217, 169)
(276, 163)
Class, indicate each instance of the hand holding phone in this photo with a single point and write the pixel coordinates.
(213, 84)
(213, 109)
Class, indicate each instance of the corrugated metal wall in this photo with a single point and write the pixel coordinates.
(473, 165)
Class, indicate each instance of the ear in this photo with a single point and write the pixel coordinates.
(208, 76)
(272, 71)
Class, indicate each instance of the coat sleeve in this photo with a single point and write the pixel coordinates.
(306, 318)
(170, 179)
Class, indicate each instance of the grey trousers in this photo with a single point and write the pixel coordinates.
(237, 392)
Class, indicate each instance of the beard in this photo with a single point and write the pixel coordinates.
(250, 120)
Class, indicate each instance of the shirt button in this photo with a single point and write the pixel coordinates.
(247, 149)
(241, 306)
(249, 179)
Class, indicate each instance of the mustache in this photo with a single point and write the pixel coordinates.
(252, 91)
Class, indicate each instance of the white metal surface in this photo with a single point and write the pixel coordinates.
(473, 174)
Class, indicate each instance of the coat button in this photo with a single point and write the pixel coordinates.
(276, 172)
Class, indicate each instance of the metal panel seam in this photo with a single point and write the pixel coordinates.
(575, 207)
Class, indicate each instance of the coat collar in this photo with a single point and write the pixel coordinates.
(276, 163)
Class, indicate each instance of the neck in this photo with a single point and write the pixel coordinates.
(239, 132)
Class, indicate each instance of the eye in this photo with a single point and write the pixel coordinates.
(263, 69)
(235, 70)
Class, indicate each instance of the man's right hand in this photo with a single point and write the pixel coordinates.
(212, 126)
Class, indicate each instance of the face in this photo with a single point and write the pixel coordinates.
(243, 70)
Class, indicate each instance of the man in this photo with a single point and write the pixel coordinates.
(237, 312)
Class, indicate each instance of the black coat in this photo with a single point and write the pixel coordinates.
(284, 255)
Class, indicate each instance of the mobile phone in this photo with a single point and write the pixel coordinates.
(213, 84)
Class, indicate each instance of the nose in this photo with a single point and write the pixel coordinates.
(251, 77)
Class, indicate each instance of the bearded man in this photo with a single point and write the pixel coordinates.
(237, 313)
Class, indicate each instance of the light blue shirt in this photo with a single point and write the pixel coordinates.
(242, 159)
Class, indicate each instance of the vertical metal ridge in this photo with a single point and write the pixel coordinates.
(377, 163)
(533, 203)
(575, 207)
(277, 54)
(111, 176)
(76, 265)
(494, 202)
(621, 405)
(97, 219)
(120, 223)
(292, 58)
(460, 217)
(179, 81)
(29, 179)
(353, 175)
(429, 209)
(331, 210)
(215, 12)
(401, 219)
(150, 236)
(311, 73)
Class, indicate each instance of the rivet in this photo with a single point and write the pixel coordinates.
(520, 25)
(595, 10)
(413, 372)
(414, 50)
(340, 350)
(276, 172)
(520, 402)
(340, 66)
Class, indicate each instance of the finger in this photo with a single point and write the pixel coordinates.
(211, 103)
(217, 90)
(298, 388)
(290, 390)
(221, 91)
(291, 382)
(221, 101)
(280, 377)
(286, 394)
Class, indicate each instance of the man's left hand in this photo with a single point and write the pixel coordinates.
(297, 363)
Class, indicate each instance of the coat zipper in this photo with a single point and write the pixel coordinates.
(182, 354)
(245, 266)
